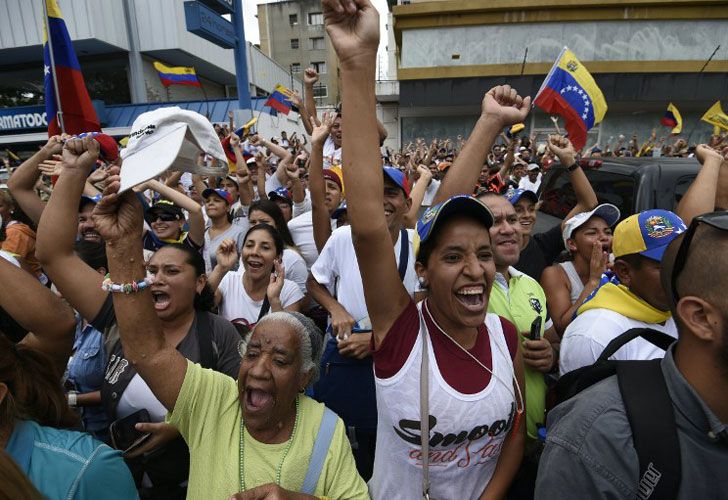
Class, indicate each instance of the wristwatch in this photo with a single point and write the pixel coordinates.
(573, 167)
(72, 399)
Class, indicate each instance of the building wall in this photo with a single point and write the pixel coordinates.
(277, 31)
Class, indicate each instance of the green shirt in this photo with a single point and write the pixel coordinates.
(524, 300)
(208, 416)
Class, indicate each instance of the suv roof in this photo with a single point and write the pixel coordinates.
(632, 184)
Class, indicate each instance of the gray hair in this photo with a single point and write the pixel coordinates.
(310, 337)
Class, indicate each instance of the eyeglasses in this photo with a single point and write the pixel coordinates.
(164, 217)
(717, 220)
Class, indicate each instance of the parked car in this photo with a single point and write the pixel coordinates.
(632, 184)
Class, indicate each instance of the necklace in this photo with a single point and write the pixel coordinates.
(283, 458)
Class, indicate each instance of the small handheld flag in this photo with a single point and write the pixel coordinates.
(570, 92)
(66, 96)
(672, 119)
(176, 75)
(279, 99)
(716, 117)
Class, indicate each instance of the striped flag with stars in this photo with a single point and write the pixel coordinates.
(570, 91)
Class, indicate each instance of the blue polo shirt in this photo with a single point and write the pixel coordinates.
(69, 465)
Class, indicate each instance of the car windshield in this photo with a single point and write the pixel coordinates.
(618, 189)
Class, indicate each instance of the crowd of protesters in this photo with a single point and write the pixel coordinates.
(337, 320)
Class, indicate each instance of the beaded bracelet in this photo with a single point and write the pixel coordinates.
(133, 287)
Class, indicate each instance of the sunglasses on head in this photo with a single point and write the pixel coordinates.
(717, 220)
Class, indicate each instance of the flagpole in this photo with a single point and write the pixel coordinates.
(59, 113)
(700, 73)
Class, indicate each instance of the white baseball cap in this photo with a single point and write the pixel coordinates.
(533, 166)
(169, 137)
(606, 211)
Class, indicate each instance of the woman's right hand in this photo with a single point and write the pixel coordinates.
(227, 254)
(341, 322)
(117, 216)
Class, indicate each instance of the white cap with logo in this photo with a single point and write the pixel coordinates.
(606, 211)
(169, 137)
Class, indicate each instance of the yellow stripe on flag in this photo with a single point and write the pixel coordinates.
(173, 70)
(715, 116)
(569, 63)
(53, 9)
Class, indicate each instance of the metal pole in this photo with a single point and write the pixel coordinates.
(136, 64)
(241, 64)
(59, 113)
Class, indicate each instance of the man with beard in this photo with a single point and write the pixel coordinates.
(590, 439)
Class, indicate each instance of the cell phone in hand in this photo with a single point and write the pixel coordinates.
(535, 333)
(125, 436)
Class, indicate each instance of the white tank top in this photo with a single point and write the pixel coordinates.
(574, 280)
(463, 453)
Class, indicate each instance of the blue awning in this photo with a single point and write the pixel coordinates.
(123, 115)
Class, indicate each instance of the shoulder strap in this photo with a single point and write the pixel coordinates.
(264, 308)
(320, 451)
(204, 339)
(403, 253)
(425, 413)
(652, 418)
(658, 339)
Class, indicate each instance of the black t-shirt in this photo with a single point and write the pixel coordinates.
(541, 251)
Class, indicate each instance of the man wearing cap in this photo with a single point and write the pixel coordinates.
(282, 198)
(637, 301)
(336, 274)
(590, 448)
(540, 250)
(532, 180)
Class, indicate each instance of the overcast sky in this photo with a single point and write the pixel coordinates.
(250, 9)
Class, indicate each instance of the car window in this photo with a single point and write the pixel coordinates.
(681, 187)
(558, 194)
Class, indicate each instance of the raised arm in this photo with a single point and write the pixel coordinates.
(57, 229)
(297, 101)
(700, 197)
(310, 77)
(417, 195)
(119, 220)
(586, 198)
(502, 106)
(46, 316)
(22, 183)
(354, 31)
(317, 184)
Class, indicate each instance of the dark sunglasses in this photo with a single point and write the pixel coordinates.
(717, 220)
(164, 217)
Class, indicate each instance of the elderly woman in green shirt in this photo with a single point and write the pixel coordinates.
(254, 438)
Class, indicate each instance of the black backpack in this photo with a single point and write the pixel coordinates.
(645, 395)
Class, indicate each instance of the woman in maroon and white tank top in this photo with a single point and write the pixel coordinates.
(475, 372)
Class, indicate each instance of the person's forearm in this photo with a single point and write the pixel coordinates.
(298, 194)
(721, 196)
(90, 190)
(277, 150)
(320, 294)
(216, 276)
(181, 200)
(173, 179)
(305, 118)
(275, 304)
(58, 226)
(586, 198)
(310, 102)
(700, 196)
(89, 399)
(317, 189)
(22, 185)
(464, 172)
(417, 195)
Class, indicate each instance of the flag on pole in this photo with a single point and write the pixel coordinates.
(176, 75)
(570, 92)
(716, 117)
(79, 114)
(245, 129)
(279, 101)
(672, 119)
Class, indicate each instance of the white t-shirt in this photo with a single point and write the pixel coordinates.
(332, 156)
(430, 192)
(337, 264)
(236, 303)
(295, 269)
(525, 183)
(586, 337)
(301, 229)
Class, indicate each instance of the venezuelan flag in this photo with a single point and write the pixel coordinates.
(79, 114)
(176, 75)
(570, 92)
(278, 100)
(672, 119)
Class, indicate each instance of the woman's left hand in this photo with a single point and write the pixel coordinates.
(276, 280)
(161, 434)
(538, 354)
(118, 216)
(269, 491)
